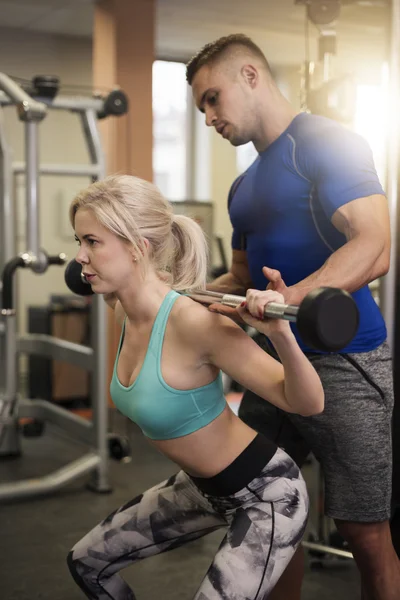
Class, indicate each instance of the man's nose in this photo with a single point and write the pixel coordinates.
(211, 118)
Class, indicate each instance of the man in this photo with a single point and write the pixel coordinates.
(312, 209)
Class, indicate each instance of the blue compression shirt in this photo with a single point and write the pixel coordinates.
(281, 209)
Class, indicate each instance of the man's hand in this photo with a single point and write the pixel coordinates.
(276, 283)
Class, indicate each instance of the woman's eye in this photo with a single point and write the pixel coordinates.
(92, 242)
(213, 99)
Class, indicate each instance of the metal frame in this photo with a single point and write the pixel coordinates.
(95, 432)
(12, 94)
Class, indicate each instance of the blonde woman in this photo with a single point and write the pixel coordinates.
(167, 379)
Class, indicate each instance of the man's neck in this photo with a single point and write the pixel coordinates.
(275, 119)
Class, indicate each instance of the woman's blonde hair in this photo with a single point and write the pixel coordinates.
(134, 209)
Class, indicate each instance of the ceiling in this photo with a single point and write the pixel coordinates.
(183, 26)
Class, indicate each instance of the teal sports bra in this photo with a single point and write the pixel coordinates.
(162, 412)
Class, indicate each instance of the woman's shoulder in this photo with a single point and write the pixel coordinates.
(194, 322)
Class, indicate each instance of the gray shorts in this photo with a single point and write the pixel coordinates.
(352, 438)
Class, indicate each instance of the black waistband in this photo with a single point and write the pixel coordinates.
(246, 467)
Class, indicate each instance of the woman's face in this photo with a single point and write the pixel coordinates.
(107, 261)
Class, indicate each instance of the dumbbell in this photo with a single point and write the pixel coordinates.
(327, 319)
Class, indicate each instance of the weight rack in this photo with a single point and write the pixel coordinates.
(31, 112)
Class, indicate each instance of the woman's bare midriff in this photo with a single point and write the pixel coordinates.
(211, 449)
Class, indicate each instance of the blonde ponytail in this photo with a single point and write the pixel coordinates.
(190, 257)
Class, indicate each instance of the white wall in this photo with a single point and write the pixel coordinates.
(25, 54)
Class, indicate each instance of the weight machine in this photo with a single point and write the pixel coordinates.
(31, 110)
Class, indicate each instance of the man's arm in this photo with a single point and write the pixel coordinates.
(365, 256)
(237, 280)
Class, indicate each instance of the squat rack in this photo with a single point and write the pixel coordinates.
(31, 111)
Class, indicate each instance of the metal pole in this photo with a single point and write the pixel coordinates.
(32, 187)
(388, 283)
(28, 108)
(38, 486)
(72, 103)
(58, 169)
(7, 237)
(11, 358)
(99, 390)
(98, 328)
(92, 136)
(7, 205)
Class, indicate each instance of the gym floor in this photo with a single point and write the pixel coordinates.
(38, 533)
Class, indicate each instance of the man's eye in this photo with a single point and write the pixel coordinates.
(212, 99)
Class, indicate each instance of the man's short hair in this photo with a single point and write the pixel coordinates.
(214, 51)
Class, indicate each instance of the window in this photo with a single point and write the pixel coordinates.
(245, 156)
(371, 119)
(170, 119)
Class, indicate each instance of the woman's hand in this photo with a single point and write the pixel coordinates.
(252, 312)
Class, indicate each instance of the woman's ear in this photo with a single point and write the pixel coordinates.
(144, 247)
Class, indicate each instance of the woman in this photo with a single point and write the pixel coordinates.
(167, 379)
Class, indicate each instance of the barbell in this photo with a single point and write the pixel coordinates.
(327, 319)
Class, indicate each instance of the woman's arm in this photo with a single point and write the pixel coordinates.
(293, 386)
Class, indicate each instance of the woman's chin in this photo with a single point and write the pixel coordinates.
(99, 288)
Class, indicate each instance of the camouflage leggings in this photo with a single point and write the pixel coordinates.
(265, 520)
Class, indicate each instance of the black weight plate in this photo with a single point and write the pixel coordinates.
(323, 12)
(116, 103)
(328, 319)
(119, 447)
(46, 86)
(73, 279)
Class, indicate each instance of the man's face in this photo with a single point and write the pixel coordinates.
(225, 100)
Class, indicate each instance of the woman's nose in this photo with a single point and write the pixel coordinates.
(81, 256)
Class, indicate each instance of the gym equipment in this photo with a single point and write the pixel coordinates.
(94, 433)
(327, 319)
(45, 86)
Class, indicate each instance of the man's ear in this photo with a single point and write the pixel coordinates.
(250, 75)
